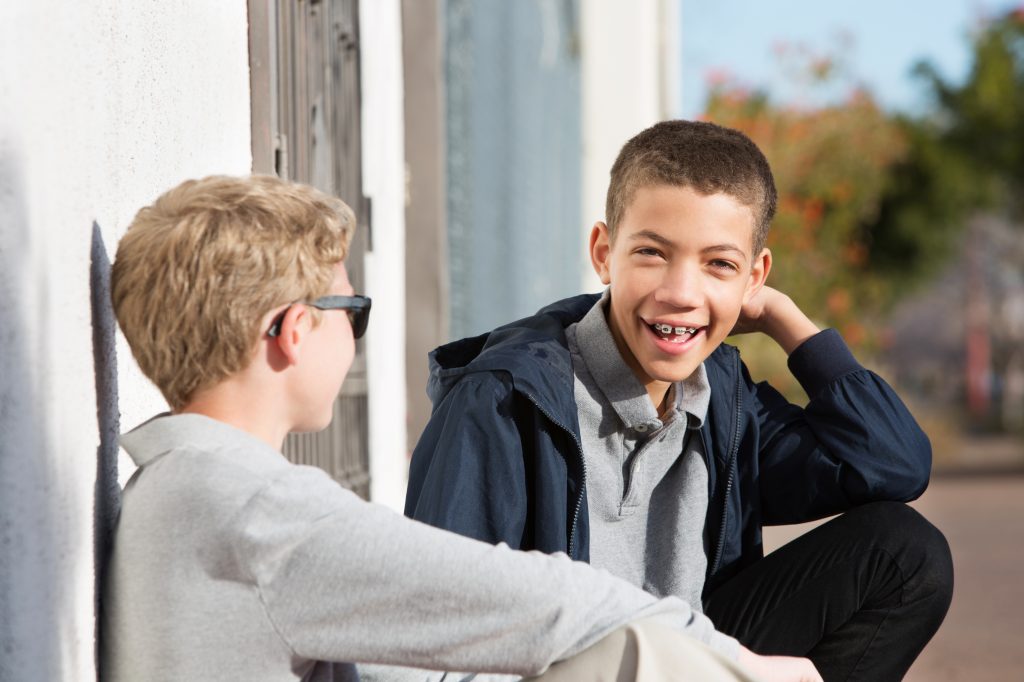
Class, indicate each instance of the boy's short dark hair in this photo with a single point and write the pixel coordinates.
(705, 157)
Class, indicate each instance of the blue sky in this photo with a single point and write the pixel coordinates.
(883, 39)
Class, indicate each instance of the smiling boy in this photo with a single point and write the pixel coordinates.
(621, 430)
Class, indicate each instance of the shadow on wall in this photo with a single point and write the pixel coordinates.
(31, 597)
(107, 500)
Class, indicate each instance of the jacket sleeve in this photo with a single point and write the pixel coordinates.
(854, 442)
(467, 473)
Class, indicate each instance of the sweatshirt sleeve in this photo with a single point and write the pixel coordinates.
(343, 579)
(854, 442)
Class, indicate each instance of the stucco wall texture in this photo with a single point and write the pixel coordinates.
(103, 106)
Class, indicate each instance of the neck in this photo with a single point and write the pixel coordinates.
(232, 403)
(658, 392)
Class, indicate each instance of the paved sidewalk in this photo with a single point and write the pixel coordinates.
(982, 515)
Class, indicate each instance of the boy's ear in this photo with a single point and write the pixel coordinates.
(600, 252)
(759, 270)
(295, 324)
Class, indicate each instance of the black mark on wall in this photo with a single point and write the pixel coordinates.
(107, 501)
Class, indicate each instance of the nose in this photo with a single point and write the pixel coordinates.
(681, 287)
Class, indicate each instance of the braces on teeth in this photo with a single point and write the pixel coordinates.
(669, 329)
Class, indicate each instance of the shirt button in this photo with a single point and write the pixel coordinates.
(642, 428)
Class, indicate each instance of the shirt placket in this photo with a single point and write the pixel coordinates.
(637, 447)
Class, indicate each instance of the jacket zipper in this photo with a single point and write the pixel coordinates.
(731, 463)
(583, 461)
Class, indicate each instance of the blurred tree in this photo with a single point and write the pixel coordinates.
(965, 169)
(964, 156)
(831, 165)
(872, 204)
(982, 120)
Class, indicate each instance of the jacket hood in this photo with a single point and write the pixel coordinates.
(533, 351)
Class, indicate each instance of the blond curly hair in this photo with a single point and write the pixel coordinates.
(197, 271)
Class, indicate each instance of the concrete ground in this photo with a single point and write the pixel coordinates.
(982, 638)
(981, 511)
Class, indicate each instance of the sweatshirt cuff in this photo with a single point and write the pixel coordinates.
(698, 626)
(725, 645)
(704, 630)
(820, 360)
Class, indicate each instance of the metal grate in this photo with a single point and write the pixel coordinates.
(304, 56)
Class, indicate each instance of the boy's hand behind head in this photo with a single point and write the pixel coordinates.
(771, 312)
(755, 312)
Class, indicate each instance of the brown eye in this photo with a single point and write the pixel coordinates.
(723, 265)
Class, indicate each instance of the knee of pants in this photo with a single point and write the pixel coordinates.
(919, 548)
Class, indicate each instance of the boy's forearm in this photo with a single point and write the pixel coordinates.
(786, 324)
(336, 573)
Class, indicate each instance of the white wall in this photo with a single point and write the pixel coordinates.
(103, 105)
(631, 63)
(384, 182)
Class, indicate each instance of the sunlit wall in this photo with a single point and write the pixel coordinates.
(103, 107)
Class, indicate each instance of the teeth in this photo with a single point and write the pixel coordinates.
(678, 331)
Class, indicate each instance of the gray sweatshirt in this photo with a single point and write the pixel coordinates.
(230, 563)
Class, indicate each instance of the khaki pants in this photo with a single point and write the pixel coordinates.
(646, 651)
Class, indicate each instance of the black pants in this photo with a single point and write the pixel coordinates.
(860, 595)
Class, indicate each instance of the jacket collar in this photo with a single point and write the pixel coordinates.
(534, 353)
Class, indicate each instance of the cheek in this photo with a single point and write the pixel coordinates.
(633, 283)
(729, 298)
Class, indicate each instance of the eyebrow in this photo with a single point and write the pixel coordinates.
(726, 247)
(655, 237)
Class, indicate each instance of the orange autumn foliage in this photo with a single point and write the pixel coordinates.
(831, 166)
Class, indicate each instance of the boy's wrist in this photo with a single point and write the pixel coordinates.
(786, 324)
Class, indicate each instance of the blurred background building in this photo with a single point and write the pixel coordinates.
(474, 139)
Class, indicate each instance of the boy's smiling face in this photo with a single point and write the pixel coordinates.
(680, 270)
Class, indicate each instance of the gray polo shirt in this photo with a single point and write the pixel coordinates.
(647, 480)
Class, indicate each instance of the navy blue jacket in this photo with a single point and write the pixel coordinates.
(501, 460)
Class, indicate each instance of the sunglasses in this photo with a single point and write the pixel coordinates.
(357, 307)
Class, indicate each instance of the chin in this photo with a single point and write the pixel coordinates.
(672, 374)
(678, 376)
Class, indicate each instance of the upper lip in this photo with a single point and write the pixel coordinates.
(675, 323)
